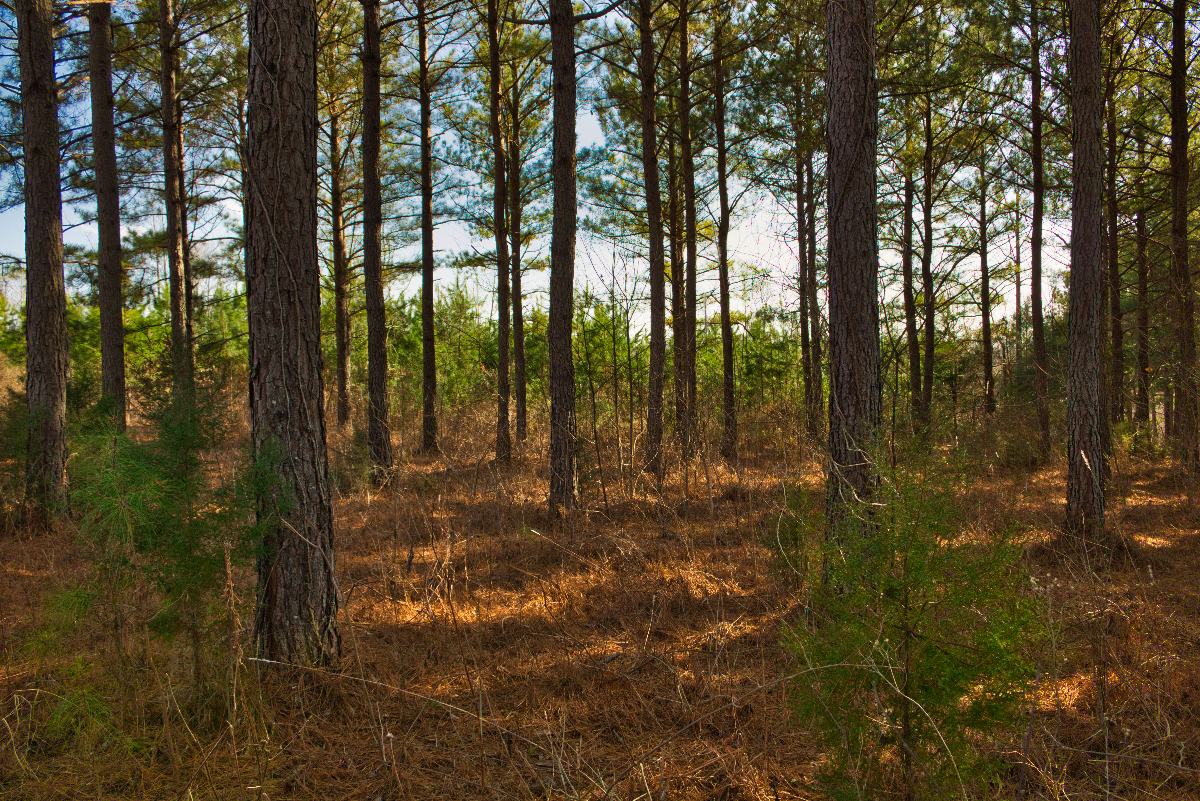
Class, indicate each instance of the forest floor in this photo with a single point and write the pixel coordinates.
(631, 653)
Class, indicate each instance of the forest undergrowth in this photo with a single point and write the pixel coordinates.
(632, 651)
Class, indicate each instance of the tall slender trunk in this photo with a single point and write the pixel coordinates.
(687, 177)
(45, 293)
(985, 296)
(806, 361)
(297, 592)
(855, 405)
(1041, 366)
(379, 431)
(1017, 280)
(1186, 435)
(341, 270)
(503, 266)
(181, 346)
(729, 435)
(657, 266)
(108, 211)
(678, 301)
(910, 302)
(562, 259)
(1116, 378)
(514, 232)
(429, 422)
(1142, 412)
(1085, 412)
(927, 288)
(814, 307)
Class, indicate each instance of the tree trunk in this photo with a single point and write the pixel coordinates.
(341, 271)
(927, 288)
(729, 435)
(854, 360)
(379, 432)
(985, 297)
(687, 171)
(1186, 436)
(297, 592)
(678, 301)
(108, 211)
(1142, 412)
(1116, 379)
(1085, 413)
(514, 225)
(910, 304)
(45, 294)
(181, 346)
(499, 197)
(806, 361)
(658, 291)
(1041, 365)
(814, 308)
(429, 422)
(562, 259)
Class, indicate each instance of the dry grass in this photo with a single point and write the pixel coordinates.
(630, 652)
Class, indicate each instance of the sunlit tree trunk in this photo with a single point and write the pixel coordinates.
(729, 433)
(503, 266)
(429, 421)
(181, 346)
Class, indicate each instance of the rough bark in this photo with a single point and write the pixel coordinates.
(379, 433)
(297, 594)
(514, 232)
(1041, 365)
(108, 211)
(806, 361)
(1085, 413)
(1187, 446)
(181, 346)
(678, 300)
(729, 433)
(341, 271)
(654, 224)
(687, 170)
(910, 302)
(429, 421)
(45, 294)
(814, 307)
(1142, 408)
(499, 199)
(985, 297)
(1116, 348)
(928, 290)
(854, 360)
(562, 259)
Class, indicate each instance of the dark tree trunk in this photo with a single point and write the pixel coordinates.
(1041, 365)
(910, 303)
(341, 271)
(1116, 378)
(814, 308)
(499, 193)
(45, 294)
(985, 297)
(297, 593)
(658, 269)
(181, 346)
(678, 301)
(1142, 412)
(562, 259)
(1186, 435)
(1085, 412)
(429, 422)
(729, 434)
(854, 361)
(1017, 280)
(927, 287)
(379, 432)
(806, 360)
(514, 232)
(687, 170)
(108, 211)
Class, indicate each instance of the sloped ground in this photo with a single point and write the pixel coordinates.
(490, 652)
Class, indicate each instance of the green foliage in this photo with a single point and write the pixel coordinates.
(913, 657)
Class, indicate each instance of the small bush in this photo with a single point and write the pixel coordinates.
(913, 652)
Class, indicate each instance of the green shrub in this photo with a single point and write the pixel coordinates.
(914, 649)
